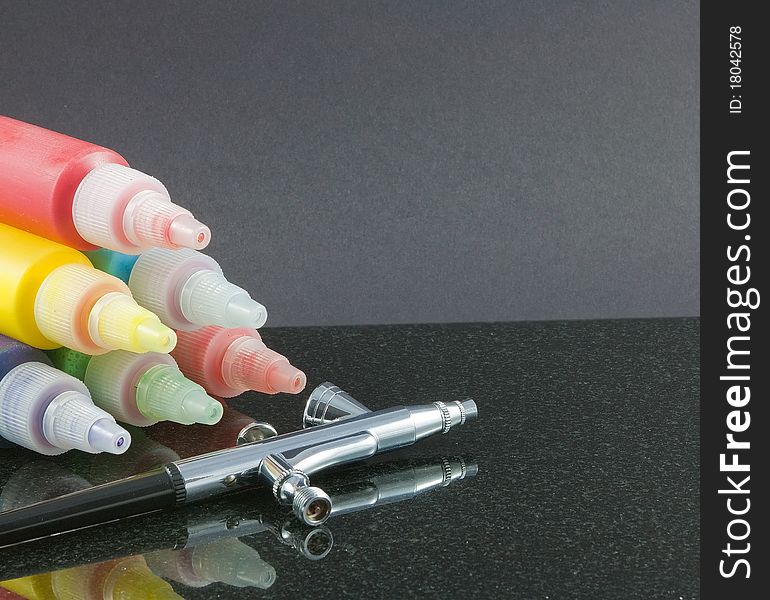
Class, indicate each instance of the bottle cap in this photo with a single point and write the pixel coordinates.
(242, 311)
(46, 410)
(164, 394)
(185, 231)
(142, 389)
(123, 209)
(92, 312)
(249, 364)
(228, 362)
(188, 290)
(117, 322)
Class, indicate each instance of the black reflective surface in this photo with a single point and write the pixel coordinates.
(586, 448)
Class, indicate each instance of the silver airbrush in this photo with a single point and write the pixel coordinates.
(339, 430)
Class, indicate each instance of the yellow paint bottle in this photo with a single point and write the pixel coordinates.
(51, 296)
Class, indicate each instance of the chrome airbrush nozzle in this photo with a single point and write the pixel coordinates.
(311, 505)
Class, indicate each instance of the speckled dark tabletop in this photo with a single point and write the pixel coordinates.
(587, 483)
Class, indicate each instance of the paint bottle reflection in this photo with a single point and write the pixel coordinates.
(123, 579)
(227, 561)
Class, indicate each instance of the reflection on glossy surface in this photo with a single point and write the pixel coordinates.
(587, 489)
(34, 587)
(38, 480)
(387, 484)
(191, 440)
(209, 549)
(125, 579)
(145, 453)
(227, 561)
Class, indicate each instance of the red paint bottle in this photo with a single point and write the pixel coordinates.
(86, 196)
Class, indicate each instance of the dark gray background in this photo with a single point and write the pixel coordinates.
(384, 162)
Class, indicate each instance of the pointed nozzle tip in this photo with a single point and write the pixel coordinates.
(285, 377)
(185, 231)
(154, 336)
(201, 408)
(242, 311)
(107, 436)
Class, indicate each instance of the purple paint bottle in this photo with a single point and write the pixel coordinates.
(46, 410)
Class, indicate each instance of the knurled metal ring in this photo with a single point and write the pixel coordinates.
(278, 483)
(446, 467)
(446, 418)
(177, 481)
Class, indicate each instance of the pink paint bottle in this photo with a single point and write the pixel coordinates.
(86, 196)
(228, 362)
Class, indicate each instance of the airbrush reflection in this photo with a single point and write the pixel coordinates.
(204, 545)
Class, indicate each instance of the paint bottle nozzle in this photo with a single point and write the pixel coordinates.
(188, 290)
(185, 231)
(164, 394)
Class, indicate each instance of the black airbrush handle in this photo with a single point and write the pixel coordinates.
(154, 490)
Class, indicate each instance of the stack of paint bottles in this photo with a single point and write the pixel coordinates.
(101, 277)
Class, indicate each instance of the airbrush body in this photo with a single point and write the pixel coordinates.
(286, 461)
